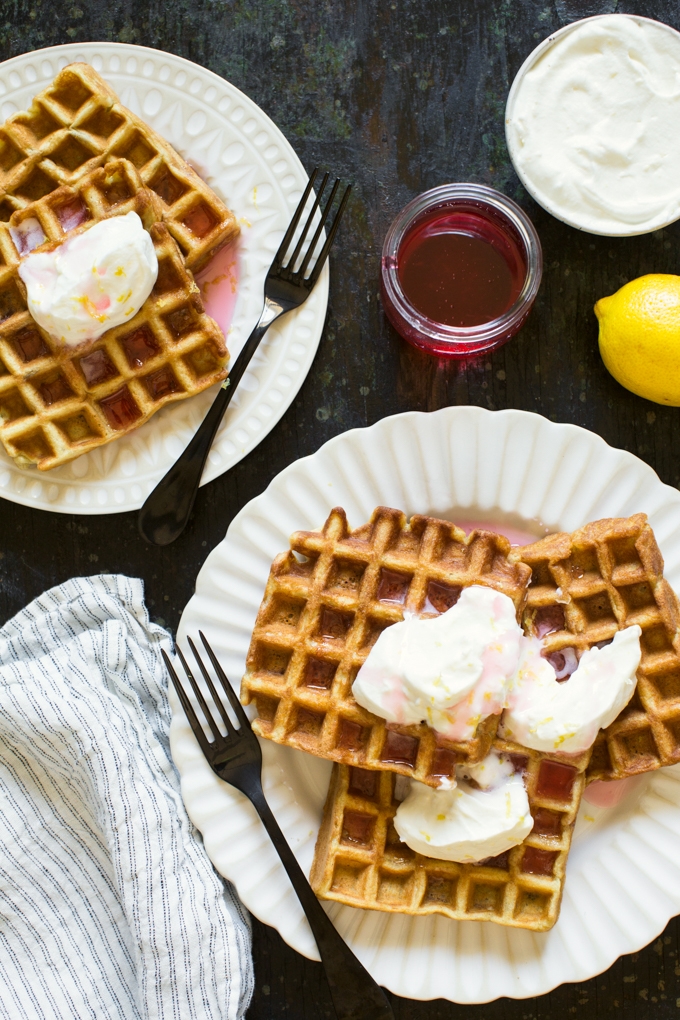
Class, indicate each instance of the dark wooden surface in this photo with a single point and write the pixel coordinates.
(396, 96)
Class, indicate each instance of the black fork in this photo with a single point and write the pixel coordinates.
(237, 759)
(166, 511)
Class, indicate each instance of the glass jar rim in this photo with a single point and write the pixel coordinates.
(454, 194)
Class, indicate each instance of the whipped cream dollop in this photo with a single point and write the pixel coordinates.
(450, 671)
(593, 125)
(467, 822)
(550, 716)
(93, 281)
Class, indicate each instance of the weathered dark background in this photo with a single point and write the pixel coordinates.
(396, 96)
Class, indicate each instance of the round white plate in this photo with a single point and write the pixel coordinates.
(244, 157)
(461, 463)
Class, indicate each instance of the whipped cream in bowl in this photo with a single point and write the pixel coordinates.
(92, 281)
(593, 124)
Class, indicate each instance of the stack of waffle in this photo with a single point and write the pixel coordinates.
(326, 601)
(75, 158)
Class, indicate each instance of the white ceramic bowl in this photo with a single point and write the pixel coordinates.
(567, 215)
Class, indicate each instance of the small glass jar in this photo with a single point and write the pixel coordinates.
(476, 211)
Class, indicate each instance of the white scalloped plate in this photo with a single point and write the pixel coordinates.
(461, 463)
(246, 159)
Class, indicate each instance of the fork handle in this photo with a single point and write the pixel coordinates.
(166, 511)
(356, 996)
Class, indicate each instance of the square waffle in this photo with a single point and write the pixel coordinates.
(58, 402)
(78, 124)
(360, 860)
(585, 587)
(325, 604)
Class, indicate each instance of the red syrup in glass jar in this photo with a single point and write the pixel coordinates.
(459, 268)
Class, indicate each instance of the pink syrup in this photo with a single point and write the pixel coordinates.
(218, 284)
(516, 536)
(609, 794)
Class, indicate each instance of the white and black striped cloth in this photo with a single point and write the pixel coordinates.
(109, 906)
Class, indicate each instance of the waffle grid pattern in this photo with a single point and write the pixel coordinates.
(326, 602)
(360, 860)
(78, 124)
(58, 402)
(585, 587)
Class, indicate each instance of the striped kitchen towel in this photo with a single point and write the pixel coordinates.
(109, 906)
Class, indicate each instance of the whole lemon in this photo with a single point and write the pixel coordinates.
(640, 336)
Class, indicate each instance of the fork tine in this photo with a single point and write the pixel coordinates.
(186, 704)
(228, 689)
(199, 697)
(231, 729)
(303, 268)
(314, 275)
(305, 230)
(288, 236)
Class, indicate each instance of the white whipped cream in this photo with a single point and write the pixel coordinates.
(464, 823)
(93, 281)
(551, 716)
(593, 125)
(450, 671)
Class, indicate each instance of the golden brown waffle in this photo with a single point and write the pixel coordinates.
(325, 604)
(78, 124)
(58, 402)
(360, 860)
(585, 587)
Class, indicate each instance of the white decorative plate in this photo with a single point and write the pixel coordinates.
(241, 153)
(461, 463)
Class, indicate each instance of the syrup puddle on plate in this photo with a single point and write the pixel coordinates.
(517, 529)
(606, 803)
(218, 284)
(516, 535)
